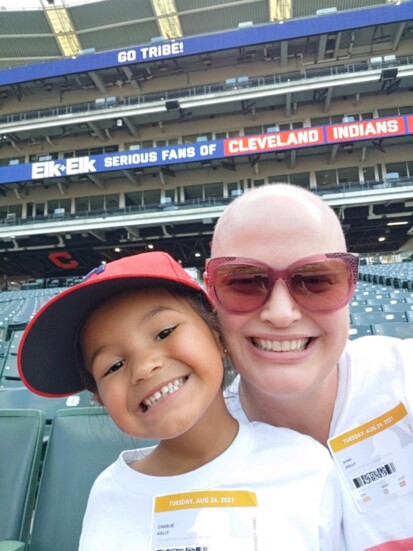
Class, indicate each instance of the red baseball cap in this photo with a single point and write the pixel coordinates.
(47, 352)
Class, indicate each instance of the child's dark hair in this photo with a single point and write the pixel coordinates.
(199, 304)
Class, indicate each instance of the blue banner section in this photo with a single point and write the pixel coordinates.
(386, 127)
(259, 34)
(157, 156)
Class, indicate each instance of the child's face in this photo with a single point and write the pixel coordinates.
(156, 364)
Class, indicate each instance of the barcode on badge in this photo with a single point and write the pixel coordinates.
(372, 476)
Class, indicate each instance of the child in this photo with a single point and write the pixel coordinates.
(141, 335)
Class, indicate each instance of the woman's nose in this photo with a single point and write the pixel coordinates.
(280, 309)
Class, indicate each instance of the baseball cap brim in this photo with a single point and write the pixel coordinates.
(47, 355)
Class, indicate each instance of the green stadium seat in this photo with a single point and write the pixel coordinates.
(382, 300)
(14, 395)
(357, 303)
(401, 330)
(20, 454)
(82, 443)
(366, 308)
(360, 331)
(399, 307)
(371, 318)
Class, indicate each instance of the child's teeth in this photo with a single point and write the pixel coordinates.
(171, 387)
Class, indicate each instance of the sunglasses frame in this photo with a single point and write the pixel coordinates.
(351, 260)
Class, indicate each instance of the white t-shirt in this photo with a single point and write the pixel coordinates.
(375, 375)
(293, 477)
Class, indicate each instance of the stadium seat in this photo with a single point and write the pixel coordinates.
(401, 330)
(400, 293)
(399, 307)
(379, 301)
(366, 308)
(357, 303)
(360, 331)
(371, 318)
(21, 446)
(82, 443)
(15, 395)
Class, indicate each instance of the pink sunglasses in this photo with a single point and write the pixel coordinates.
(321, 283)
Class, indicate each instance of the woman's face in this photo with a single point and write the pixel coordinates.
(281, 349)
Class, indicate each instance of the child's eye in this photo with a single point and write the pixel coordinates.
(166, 332)
(114, 368)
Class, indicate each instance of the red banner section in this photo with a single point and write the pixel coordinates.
(360, 130)
(318, 135)
(287, 139)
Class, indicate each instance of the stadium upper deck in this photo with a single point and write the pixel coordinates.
(112, 152)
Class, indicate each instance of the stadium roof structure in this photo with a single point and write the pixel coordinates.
(40, 30)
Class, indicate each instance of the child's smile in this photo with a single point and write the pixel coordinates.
(166, 390)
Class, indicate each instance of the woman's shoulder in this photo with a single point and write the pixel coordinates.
(378, 353)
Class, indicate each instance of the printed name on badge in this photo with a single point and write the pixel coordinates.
(210, 520)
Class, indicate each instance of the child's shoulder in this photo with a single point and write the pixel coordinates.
(286, 441)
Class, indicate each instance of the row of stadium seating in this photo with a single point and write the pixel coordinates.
(396, 274)
(47, 515)
(375, 310)
(17, 307)
(380, 309)
(400, 330)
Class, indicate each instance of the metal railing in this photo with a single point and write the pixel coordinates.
(105, 105)
(343, 188)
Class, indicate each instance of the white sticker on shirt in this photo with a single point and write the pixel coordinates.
(210, 520)
(376, 458)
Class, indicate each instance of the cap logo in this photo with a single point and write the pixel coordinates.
(101, 268)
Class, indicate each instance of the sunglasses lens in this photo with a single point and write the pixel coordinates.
(321, 286)
(241, 287)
